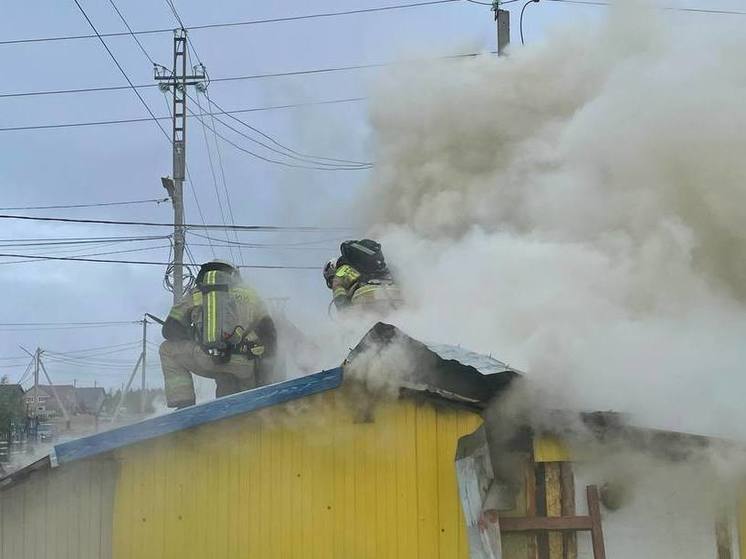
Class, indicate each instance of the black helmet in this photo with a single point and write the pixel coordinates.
(220, 265)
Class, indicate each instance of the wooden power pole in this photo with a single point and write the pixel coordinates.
(177, 80)
(502, 19)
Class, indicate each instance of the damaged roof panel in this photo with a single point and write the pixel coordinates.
(435, 368)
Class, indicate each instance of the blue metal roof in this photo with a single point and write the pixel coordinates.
(215, 410)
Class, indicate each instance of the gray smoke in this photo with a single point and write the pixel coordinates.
(579, 210)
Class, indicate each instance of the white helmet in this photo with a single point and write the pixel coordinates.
(329, 270)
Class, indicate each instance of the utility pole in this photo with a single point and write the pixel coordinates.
(37, 353)
(38, 364)
(502, 19)
(143, 362)
(139, 365)
(177, 80)
(60, 403)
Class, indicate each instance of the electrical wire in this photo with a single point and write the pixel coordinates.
(176, 15)
(269, 159)
(222, 175)
(242, 245)
(224, 182)
(145, 262)
(97, 348)
(139, 120)
(302, 156)
(491, 4)
(66, 241)
(84, 323)
(663, 8)
(26, 372)
(272, 228)
(109, 253)
(273, 245)
(129, 29)
(234, 23)
(93, 205)
(170, 4)
(214, 177)
(520, 24)
(266, 75)
(119, 66)
(316, 164)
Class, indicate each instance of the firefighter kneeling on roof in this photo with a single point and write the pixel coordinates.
(361, 280)
(219, 330)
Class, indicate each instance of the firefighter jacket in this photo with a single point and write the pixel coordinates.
(349, 287)
(253, 324)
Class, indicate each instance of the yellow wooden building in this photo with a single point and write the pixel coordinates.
(310, 467)
(327, 466)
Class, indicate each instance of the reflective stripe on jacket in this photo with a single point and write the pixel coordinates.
(249, 308)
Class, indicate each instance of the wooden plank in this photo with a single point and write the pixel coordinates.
(597, 534)
(567, 481)
(222, 408)
(723, 537)
(553, 491)
(531, 544)
(542, 541)
(544, 524)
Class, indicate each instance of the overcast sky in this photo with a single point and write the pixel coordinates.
(121, 162)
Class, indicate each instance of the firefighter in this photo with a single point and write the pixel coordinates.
(361, 280)
(220, 330)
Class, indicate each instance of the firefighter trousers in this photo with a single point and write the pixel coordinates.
(182, 358)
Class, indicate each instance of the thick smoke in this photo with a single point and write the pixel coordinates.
(578, 209)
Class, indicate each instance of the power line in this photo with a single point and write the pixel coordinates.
(266, 75)
(145, 262)
(170, 4)
(62, 241)
(234, 23)
(108, 253)
(129, 29)
(88, 349)
(312, 163)
(212, 173)
(520, 24)
(664, 8)
(189, 226)
(84, 323)
(273, 245)
(317, 167)
(278, 144)
(138, 120)
(126, 77)
(93, 205)
(225, 244)
(222, 175)
(491, 4)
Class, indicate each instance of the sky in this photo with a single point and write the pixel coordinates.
(123, 162)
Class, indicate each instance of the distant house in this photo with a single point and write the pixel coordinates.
(47, 403)
(11, 404)
(90, 400)
(85, 400)
(11, 395)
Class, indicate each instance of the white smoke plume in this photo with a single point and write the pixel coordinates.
(578, 209)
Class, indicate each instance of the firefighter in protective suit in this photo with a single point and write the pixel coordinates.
(219, 330)
(361, 280)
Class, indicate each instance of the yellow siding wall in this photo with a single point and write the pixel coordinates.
(306, 480)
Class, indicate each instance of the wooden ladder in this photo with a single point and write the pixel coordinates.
(590, 523)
